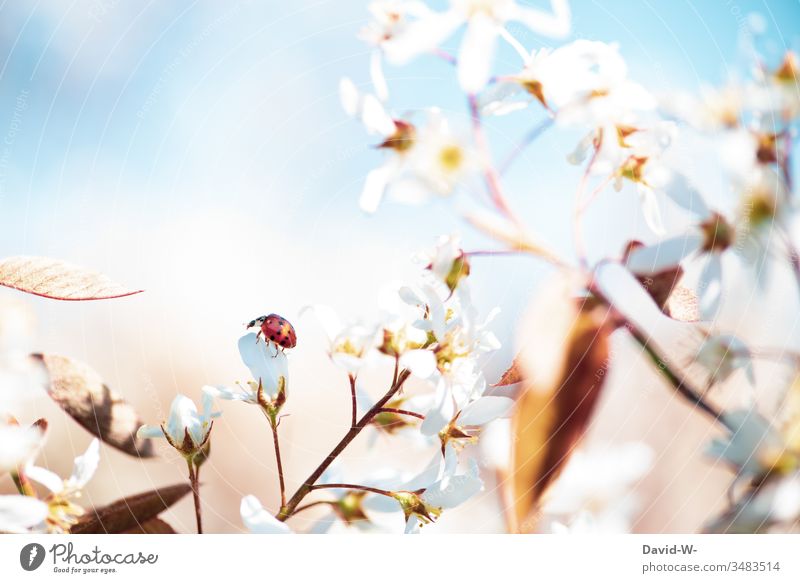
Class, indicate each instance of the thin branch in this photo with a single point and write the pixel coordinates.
(194, 473)
(354, 416)
(401, 412)
(308, 485)
(353, 487)
(278, 462)
(580, 207)
(490, 173)
(526, 141)
(681, 385)
(312, 505)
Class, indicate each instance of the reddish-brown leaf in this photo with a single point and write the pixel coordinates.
(564, 363)
(130, 513)
(80, 391)
(152, 526)
(58, 280)
(512, 376)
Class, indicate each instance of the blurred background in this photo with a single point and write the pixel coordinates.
(198, 150)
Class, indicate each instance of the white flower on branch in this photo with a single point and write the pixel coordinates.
(583, 83)
(422, 499)
(753, 447)
(269, 368)
(186, 429)
(350, 345)
(389, 19)
(745, 232)
(422, 158)
(722, 355)
(774, 503)
(485, 20)
(63, 512)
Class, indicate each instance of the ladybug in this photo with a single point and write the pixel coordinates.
(276, 329)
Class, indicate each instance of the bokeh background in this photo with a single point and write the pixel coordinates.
(198, 150)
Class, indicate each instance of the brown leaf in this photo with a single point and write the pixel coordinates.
(564, 360)
(663, 286)
(683, 305)
(512, 376)
(129, 513)
(58, 280)
(80, 391)
(152, 526)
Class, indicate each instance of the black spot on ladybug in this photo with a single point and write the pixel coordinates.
(272, 336)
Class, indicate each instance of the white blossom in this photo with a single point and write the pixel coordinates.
(186, 429)
(485, 20)
(258, 520)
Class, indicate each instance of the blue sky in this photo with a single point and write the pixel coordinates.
(141, 137)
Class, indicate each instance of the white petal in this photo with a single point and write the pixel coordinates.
(422, 363)
(328, 319)
(455, 490)
(46, 478)
(150, 431)
(428, 476)
(349, 96)
(422, 36)
(684, 194)
(412, 525)
(378, 79)
(375, 187)
(258, 520)
(441, 413)
(477, 53)
(375, 118)
(20, 513)
(85, 466)
(556, 24)
(18, 445)
(382, 504)
(710, 285)
(484, 410)
(224, 393)
(666, 254)
(652, 214)
(266, 363)
(182, 417)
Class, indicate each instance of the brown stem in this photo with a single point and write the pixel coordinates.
(354, 415)
(580, 208)
(491, 176)
(691, 394)
(312, 505)
(353, 487)
(288, 509)
(278, 462)
(195, 483)
(401, 412)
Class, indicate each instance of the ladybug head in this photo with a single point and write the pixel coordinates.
(257, 322)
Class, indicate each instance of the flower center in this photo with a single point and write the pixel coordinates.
(451, 157)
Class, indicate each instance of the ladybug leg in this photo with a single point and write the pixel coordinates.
(258, 336)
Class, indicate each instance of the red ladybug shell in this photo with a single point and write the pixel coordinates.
(279, 330)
